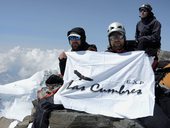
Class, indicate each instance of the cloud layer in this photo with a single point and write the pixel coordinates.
(20, 63)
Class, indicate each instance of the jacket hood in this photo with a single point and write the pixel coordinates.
(80, 31)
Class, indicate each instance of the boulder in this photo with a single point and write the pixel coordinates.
(75, 119)
(164, 59)
(164, 56)
(5, 122)
(26, 121)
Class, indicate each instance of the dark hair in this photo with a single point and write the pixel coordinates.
(92, 47)
(54, 79)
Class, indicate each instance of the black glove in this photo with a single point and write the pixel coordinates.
(151, 51)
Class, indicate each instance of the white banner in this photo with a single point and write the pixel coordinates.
(110, 84)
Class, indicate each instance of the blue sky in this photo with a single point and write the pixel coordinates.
(44, 23)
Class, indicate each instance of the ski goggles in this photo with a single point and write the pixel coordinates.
(116, 36)
(74, 37)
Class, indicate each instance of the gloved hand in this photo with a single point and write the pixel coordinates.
(151, 51)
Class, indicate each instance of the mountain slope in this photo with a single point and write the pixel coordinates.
(16, 98)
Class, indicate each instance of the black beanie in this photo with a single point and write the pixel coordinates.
(79, 31)
(54, 79)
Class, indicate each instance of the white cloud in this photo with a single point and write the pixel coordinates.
(19, 63)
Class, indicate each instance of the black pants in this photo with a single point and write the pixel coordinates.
(43, 110)
(164, 102)
(150, 48)
(144, 45)
(158, 120)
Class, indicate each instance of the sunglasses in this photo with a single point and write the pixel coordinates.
(115, 36)
(143, 10)
(73, 38)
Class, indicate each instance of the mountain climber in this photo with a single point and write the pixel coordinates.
(117, 44)
(148, 33)
(77, 41)
(45, 101)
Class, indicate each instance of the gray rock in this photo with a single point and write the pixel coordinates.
(74, 119)
(164, 56)
(4, 122)
(24, 124)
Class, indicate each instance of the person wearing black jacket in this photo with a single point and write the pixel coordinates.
(77, 41)
(148, 33)
(148, 29)
(117, 44)
(45, 104)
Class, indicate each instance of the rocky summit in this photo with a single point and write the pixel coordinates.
(74, 119)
